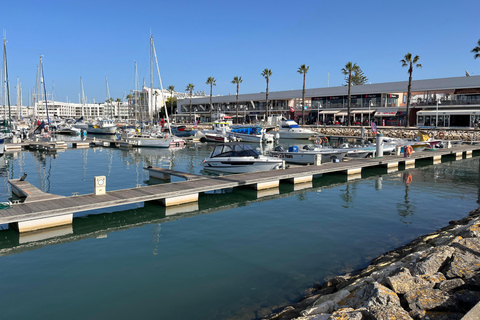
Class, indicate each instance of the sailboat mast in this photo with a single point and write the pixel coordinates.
(82, 97)
(161, 89)
(150, 109)
(44, 90)
(7, 88)
(136, 95)
(108, 99)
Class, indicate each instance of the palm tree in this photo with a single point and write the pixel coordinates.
(171, 89)
(407, 61)
(476, 50)
(237, 80)
(118, 106)
(211, 81)
(349, 68)
(129, 97)
(267, 73)
(190, 88)
(303, 70)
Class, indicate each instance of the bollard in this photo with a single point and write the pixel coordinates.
(379, 145)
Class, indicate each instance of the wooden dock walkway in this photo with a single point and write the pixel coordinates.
(33, 215)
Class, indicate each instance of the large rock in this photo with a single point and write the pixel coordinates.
(435, 259)
(448, 285)
(403, 281)
(378, 301)
(427, 299)
(465, 262)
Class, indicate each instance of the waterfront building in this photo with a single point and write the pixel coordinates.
(456, 100)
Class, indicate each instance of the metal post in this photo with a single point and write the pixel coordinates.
(379, 145)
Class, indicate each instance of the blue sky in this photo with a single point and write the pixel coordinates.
(223, 39)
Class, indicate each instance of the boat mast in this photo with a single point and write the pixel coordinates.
(108, 99)
(82, 97)
(150, 109)
(136, 95)
(44, 90)
(7, 88)
(161, 89)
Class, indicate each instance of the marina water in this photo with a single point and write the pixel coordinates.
(235, 255)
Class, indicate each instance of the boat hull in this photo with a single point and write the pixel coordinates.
(241, 165)
(308, 157)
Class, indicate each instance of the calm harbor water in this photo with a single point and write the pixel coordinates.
(234, 255)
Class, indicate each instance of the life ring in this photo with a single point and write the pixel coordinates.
(325, 140)
(409, 150)
(409, 179)
(318, 140)
(441, 135)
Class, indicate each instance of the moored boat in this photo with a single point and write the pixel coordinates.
(289, 129)
(235, 157)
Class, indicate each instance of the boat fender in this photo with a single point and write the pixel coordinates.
(409, 179)
(441, 135)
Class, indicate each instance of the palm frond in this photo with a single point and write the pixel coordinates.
(419, 65)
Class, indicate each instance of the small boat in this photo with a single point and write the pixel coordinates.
(102, 127)
(235, 157)
(180, 131)
(289, 129)
(146, 140)
(308, 156)
(251, 134)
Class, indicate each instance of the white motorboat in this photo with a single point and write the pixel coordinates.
(102, 127)
(251, 134)
(289, 129)
(307, 155)
(235, 157)
(149, 141)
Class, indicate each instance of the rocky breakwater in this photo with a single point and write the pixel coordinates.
(402, 133)
(435, 277)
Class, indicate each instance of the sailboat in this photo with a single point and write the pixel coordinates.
(151, 139)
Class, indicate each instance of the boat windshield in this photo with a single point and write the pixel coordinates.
(290, 124)
(234, 150)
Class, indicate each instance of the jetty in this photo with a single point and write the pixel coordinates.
(43, 210)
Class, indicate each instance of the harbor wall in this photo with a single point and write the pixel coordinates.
(436, 276)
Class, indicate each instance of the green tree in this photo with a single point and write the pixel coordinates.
(237, 80)
(190, 88)
(348, 70)
(212, 82)
(303, 70)
(358, 78)
(118, 100)
(476, 50)
(267, 73)
(409, 61)
(171, 89)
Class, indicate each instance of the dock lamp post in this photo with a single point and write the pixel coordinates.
(318, 113)
(370, 104)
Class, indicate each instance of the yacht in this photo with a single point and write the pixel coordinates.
(235, 157)
(289, 129)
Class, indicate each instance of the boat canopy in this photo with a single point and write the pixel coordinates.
(234, 150)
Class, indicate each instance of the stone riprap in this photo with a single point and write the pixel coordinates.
(434, 277)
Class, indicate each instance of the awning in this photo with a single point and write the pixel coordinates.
(343, 113)
(329, 112)
(363, 111)
(442, 112)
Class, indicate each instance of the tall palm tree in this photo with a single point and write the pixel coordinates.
(171, 89)
(408, 61)
(303, 70)
(237, 80)
(211, 81)
(118, 106)
(349, 68)
(476, 50)
(267, 73)
(190, 88)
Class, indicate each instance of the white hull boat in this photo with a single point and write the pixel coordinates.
(303, 156)
(289, 129)
(237, 157)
